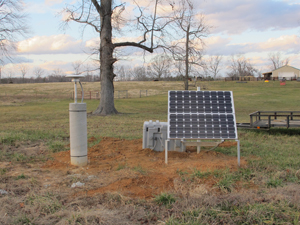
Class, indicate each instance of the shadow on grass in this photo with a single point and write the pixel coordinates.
(278, 131)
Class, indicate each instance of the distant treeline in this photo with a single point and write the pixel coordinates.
(96, 78)
(48, 79)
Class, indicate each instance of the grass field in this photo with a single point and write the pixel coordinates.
(265, 191)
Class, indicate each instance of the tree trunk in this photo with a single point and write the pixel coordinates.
(186, 81)
(106, 106)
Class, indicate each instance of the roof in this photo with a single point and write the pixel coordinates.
(285, 66)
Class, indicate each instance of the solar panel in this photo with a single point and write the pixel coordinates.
(201, 115)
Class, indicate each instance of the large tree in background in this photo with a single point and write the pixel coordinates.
(160, 66)
(212, 66)
(24, 70)
(12, 26)
(277, 60)
(105, 17)
(38, 72)
(240, 66)
(189, 29)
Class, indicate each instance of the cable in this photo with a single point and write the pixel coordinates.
(81, 92)
(154, 138)
(216, 146)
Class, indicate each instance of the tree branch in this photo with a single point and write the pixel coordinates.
(97, 6)
(133, 44)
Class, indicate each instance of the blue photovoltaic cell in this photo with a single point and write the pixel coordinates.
(201, 115)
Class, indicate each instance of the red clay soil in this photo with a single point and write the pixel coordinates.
(123, 166)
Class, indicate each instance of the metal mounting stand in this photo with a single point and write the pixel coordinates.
(203, 144)
(78, 127)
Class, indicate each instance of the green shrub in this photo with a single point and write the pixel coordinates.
(22, 176)
(165, 199)
(56, 146)
(274, 182)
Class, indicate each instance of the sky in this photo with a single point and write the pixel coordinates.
(254, 28)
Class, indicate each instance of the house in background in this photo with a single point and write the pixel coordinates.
(287, 72)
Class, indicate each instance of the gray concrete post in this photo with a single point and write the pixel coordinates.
(78, 134)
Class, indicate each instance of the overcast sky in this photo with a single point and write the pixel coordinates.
(251, 27)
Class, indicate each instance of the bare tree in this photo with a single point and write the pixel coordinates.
(277, 60)
(241, 66)
(128, 74)
(105, 17)
(212, 66)
(12, 26)
(190, 30)
(24, 70)
(123, 73)
(77, 67)
(139, 73)
(38, 72)
(160, 66)
(89, 72)
(179, 69)
(58, 72)
(10, 72)
(57, 75)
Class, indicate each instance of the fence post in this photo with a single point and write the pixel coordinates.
(126, 93)
(90, 95)
(146, 93)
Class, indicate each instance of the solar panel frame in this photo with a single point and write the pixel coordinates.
(201, 115)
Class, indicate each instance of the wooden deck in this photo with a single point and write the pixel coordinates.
(268, 119)
(276, 123)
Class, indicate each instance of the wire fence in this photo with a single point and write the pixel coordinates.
(88, 95)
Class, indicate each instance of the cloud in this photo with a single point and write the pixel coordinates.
(93, 43)
(52, 65)
(217, 45)
(54, 44)
(288, 43)
(235, 17)
(16, 60)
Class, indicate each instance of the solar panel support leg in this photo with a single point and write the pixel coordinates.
(198, 147)
(182, 145)
(166, 151)
(238, 152)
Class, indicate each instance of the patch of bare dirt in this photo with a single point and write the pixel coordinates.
(27, 149)
(228, 144)
(122, 166)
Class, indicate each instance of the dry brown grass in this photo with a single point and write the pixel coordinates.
(29, 92)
